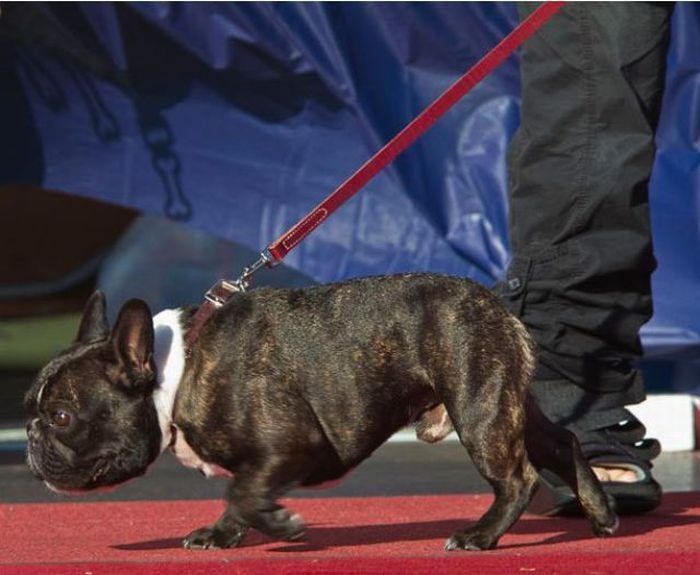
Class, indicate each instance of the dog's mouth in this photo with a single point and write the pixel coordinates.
(65, 472)
(95, 479)
(33, 465)
(99, 476)
(36, 471)
(95, 483)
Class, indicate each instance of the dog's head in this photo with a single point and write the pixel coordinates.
(91, 419)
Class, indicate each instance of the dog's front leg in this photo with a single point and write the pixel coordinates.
(227, 532)
(253, 499)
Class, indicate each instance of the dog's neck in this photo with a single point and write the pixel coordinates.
(169, 357)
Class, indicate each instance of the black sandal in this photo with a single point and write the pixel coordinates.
(607, 448)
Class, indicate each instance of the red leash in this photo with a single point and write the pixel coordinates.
(276, 251)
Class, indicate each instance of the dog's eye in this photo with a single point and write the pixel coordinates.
(60, 418)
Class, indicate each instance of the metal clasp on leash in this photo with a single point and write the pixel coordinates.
(220, 293)
(222, 290)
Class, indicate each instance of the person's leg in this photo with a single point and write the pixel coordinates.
(579, 164)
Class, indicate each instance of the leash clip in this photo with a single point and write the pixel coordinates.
(244, 280)
(221, 291)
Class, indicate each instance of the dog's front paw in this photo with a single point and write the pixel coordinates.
(296, 529)
(281, 525)
(469, 540)
(213, 538)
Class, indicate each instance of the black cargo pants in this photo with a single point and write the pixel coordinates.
(579, 166)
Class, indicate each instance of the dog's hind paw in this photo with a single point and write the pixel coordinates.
(469, 541)
(601, 530)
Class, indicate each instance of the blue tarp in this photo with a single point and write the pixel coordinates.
(237, 118)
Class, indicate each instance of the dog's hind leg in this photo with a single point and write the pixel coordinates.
(491, 427)
(553, 447)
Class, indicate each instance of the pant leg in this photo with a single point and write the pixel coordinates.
(580, 163)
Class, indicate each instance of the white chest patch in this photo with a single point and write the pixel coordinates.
(186, 455)
(169, 356)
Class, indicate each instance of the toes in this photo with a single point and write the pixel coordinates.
(606, 530)
(281, 525)
(199, 539)
(294, 529)
(615, 474)
(212, 538)
(469, 541)
(601, 473)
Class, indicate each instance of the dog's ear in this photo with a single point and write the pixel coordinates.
(132, 339)
(93, 325)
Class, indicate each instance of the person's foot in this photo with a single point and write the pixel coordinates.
(620, 456)
(629, 484)
(620, 474)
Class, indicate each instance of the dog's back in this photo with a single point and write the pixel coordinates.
(368, 356)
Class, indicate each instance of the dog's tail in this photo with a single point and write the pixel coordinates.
(553, 448)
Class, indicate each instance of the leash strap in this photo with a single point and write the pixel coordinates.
(416, 128)
(220, 292)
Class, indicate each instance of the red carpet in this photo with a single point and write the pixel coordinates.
(353, 535)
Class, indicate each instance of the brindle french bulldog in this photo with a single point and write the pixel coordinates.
(294, 387)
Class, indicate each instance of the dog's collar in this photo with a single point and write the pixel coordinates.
(169, 357)
(216, 296)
